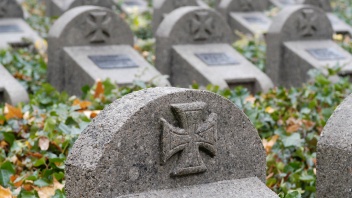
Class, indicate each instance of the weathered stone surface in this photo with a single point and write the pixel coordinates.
(334, 154)
(92, 31)
(298, 36)
(165, 138)
(10, 9)
(188, 33)
(338, 25)
(163, 7)
(241, 188)
(246, 16)
(58, 7)
(17, 33)
(11, 91)
(285, 3)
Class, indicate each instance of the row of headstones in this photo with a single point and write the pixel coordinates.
(173, 142)
(193, 44)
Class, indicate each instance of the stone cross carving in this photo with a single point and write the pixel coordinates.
(246, 5)
(195, 134)
(3, 6)
(98, 24)
(202, 26)
(307, 23)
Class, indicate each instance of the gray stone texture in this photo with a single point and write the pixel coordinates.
(339, 26)
(15, 32)
(163, 7)
(75, 28)
(10, 9)
(11, 91)
(241, 188)
(55, 8)
(164, 138)
(189, 31)
(294, 31)
(334, 154)
(246, 16)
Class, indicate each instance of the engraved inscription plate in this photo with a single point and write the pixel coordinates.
(195, 134)
(254, 19)
(214, 59)
(9, 28)
(113, 61)
(324, 54)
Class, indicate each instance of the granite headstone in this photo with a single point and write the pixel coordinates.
(300, 39)
(193, 44)
(14, 31)
(334, 154)
(55, 8)
(88, 43)
(168, 142)
(163, 7)
(246, 16)
(339, 26)
(11, 91)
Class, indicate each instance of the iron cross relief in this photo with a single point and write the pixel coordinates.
(3, 7)
(194, 135)
(98, 27)
(202, 26)
(307, 23)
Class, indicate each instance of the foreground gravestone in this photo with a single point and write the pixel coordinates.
(246, 16)
(168, 142)
(133, 6)
(193, 44)
(285, 3)
(334, 154)
(300, 39)
(14, 31)
(338, 25)
(163, 7)
(55, 8)
(90, 43)
(11, 91)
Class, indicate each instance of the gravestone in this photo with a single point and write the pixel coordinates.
(163, 7)
(168, 142)
(14, 31)
(338, 25)
(300, 39)
(285, 3)
(334, 156)
(55, 8)
(246, 16)
(89, 43)
(11, 91)
(133, 6)
(193, 44)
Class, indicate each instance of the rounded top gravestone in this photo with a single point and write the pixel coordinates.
(163, 138)
(189, 25)
(334, 154)
(294, 23)
(10, 9)
(84, 26)
(323, 4)
(227, 6)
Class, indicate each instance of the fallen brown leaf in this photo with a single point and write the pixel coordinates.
(12, 112)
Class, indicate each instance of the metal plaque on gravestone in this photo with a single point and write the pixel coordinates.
(254, 19)
(325, 54)
(9, 28)
(118, 61)
(215, 59)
